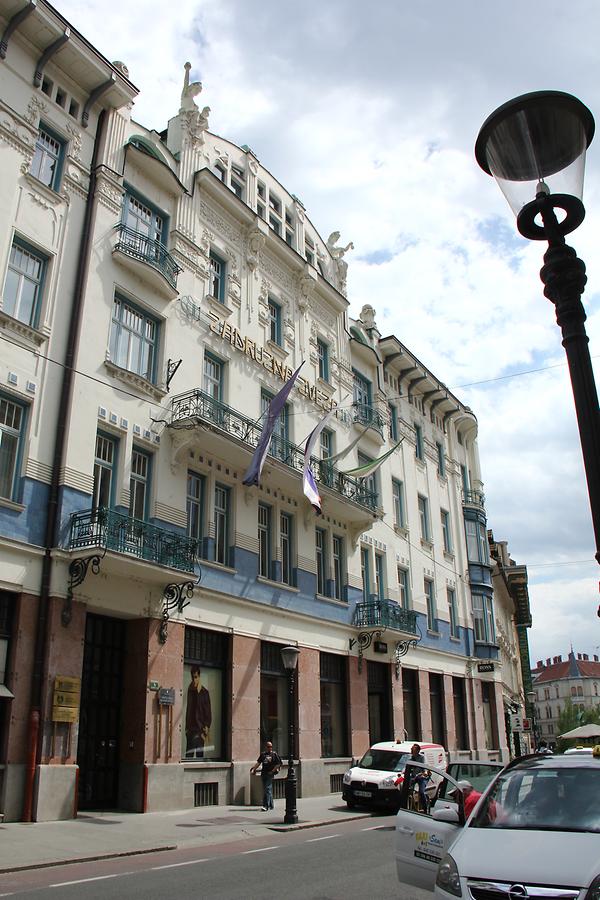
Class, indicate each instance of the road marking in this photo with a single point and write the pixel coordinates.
(191, 862)
(375, 827)
(260, 850)
(85, 880)
(327, 837)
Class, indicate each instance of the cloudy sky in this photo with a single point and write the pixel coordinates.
(369, 114)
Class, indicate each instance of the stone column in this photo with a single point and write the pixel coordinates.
(500, 723)
(245, 716)
(397, 705)
(449, 716)
(478, 722)
(424, 704)
(310, 771)
(358, 719)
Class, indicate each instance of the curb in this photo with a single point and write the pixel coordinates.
(82, 859)
(299, 825)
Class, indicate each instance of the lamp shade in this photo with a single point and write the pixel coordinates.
(536, 142)
(289, 655)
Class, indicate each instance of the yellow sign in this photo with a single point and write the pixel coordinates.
(65, 702)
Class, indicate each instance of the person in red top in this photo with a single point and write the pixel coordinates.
(470, 796)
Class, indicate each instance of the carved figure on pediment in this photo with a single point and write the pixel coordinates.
(256, 241)
(367, 316)
(337, 253)
(305, 283)
(75, 145)
(34, 108)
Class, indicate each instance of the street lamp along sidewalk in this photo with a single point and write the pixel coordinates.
(535, 146)
(289, 656)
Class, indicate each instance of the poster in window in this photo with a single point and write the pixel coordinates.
(202, 705)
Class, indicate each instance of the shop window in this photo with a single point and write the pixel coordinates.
(205, 693)
(334, 728)
(410, 698)
(460, 713)
(274, 693)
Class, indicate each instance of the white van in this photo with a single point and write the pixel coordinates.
(376, 778)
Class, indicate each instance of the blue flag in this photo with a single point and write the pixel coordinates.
(252, 476)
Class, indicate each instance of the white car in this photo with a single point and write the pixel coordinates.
(534, 834)
(375, 779)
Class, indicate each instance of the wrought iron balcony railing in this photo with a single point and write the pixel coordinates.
(365, 414)
(142, 247)
(124, 534)
(385, 614)
(474, 498)
(197, 406)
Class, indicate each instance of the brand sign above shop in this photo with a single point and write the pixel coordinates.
(267, 360)
(485, 667)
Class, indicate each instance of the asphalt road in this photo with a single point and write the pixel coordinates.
(347, 861)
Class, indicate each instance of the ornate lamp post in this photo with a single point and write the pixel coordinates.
(289, 655)
(531, 698)
(534, 146)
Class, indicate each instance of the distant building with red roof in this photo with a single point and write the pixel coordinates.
(557, 680)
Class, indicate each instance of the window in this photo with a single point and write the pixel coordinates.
(334, 730)
(321, 558)
(446, 530)
(220, 172)
(221, 524)
(403, 588)
(237, 182)
(431, 611)
(483, 619)
(206, 689)
(419, 448)
(274, 322)
(424, 518)
(323, 357)
(213, 377)
(133, 339)
(398, 501)
(286, 545)
(464, 475)
(309, 251)
(24, 284)
(393, 413)
(143, 219)
(139, 484)
(195, 507)
(105, 462)
(216, 278)
(365, 570)
(12, 430)
(362, 394)
(261, 209)
(48, 155)
(460, 713)
(477, 542)
(441, 460)
(274, 700)
(338, 566)
(264, 540)
(275, 213)
(369, 482)
(380, 576)
(289, 228)
(453, 610)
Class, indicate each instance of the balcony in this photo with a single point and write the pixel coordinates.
(385, 614)
(196, 407)
(474, 498)
(149, 259)
(365, 414)
(106, 528)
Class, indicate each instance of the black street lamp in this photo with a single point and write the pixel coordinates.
(289, 655)
(534, 146)
(531, 699)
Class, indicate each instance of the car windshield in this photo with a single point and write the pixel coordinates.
(384, 760)
(548, 799)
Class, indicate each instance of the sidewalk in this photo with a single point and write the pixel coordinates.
(101, 835)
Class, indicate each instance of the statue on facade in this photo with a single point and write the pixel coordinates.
(194, 120)
(340, 266)
(189, 91)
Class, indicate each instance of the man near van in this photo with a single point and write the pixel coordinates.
(421, 776)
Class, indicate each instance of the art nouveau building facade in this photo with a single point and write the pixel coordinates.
(157, 291)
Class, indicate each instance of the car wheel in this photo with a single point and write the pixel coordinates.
(350, 804)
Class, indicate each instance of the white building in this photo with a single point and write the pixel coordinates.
(558, 681)
(158, 291)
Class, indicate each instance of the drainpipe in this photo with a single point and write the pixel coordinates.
(34, 731)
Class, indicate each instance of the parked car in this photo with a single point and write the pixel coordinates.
(579, 751)
(375, 779)
(534, 833)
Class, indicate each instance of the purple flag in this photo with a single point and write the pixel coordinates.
(252, 476)
(311, 491)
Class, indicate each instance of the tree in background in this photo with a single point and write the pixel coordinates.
(572, 717)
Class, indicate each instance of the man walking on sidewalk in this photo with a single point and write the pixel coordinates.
(270, 761)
